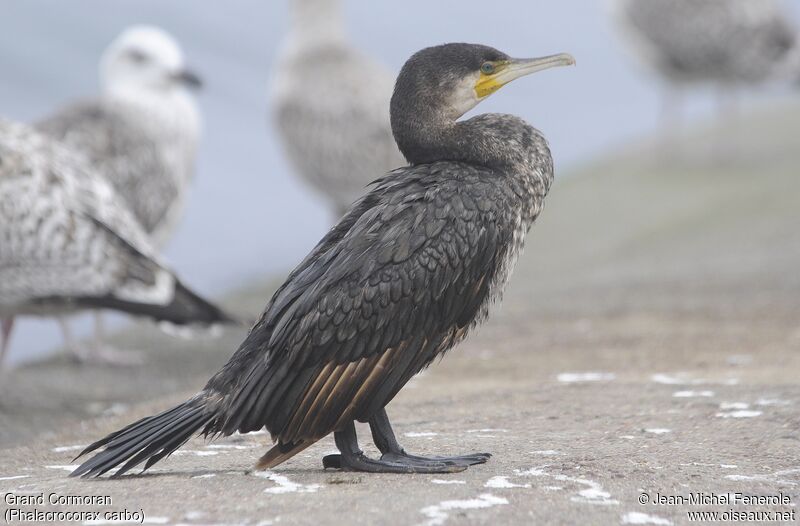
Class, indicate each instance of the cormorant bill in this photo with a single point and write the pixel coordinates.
(401, 279)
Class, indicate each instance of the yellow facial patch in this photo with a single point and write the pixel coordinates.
(488, 84)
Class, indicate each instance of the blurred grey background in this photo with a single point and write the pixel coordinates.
(247, 216)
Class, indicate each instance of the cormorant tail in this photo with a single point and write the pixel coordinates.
(151, 439)
(186, 307)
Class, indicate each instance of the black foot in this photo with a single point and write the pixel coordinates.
(460, 460)
(393, 458)
(384, 438)
(391, 463)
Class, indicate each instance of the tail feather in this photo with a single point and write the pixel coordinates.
(151, 438)
(130, 432)
(179, 432)
(280, 453)
(186, 307)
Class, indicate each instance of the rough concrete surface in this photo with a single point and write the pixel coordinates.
(649, 343)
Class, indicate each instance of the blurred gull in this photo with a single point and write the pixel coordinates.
(725, 43)
(331, 106)
(141, 134)
(69, 242)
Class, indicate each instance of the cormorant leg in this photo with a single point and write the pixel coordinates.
(353, 459)
(384, 439)
(6, 324)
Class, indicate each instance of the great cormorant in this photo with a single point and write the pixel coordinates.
(402, 278)
(68, 242)
(141, 134)
(329, 99)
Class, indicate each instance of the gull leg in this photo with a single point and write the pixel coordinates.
(73, 349)
(99, 328)
(6, 324)
(102, 353)
(672, 113)
(728, 146)
(727, 104)
(95, 352)
(670, 126)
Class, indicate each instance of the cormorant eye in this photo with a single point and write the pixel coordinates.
(487, 68)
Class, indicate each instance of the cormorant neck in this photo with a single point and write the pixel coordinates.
(427, 135)
(316, 22)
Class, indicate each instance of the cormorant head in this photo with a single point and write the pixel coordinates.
(145, 58)
(440, 84)
(451, 79)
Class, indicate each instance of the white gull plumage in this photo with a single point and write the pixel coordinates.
(331, 106)
(68, 242)
(726, 42)
(142, 132)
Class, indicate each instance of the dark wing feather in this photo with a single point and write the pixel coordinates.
(397, 282)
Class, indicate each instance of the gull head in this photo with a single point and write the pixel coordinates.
(145, 58)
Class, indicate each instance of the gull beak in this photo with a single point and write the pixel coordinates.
(516, 68)
(188, 78)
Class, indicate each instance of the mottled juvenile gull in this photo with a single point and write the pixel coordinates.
(69, 242)
(331, 106)
(726, 43)
(141, 133)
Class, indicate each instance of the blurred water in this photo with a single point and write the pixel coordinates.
(247, 216)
